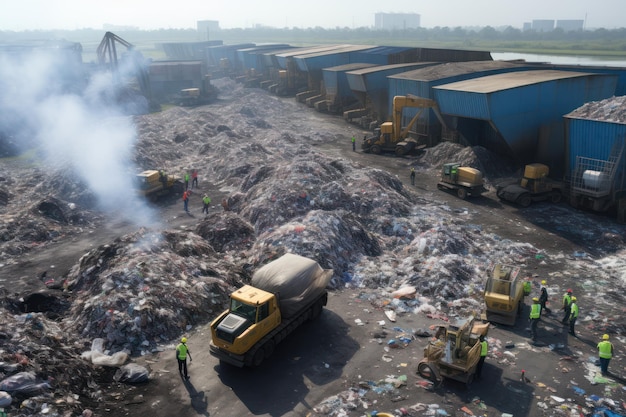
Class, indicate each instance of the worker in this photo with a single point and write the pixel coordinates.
(353, 144)
(182, 351)
(163, 178)
(194, 178)
(225, 204)
(186, 200)
(484, 348)
(206, 201)
(186, 178)
(567, 305)
(535, 316)
(573, 315)
(412, 176)
(543, 298)
(454, 171)
(528, 286)
(605, 351)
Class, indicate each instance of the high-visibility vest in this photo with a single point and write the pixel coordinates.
(206, 200)
(574, 311)
(604, 348)
(567, 300)
(483, 348)
(527, 287)
(182, 351)
(535, 311)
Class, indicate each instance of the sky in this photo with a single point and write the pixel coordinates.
(180, 14)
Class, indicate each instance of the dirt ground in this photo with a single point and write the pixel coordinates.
(347, 347)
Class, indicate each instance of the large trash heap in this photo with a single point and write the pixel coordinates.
(147, 287)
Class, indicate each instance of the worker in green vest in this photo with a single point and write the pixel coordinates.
(527, 287)
(206, 201)
(353, 144)
(182, 351)
(605, 351)
(484, 348)
(567, 305)
(535, 316)
(573, 315)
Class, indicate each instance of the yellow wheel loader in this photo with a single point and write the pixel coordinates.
(504, 295)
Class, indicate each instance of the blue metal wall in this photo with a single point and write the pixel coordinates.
(518, 114)
(336, 81)
(594, 139)
(249, 56)
(371, 86)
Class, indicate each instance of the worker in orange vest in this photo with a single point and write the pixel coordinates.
(186, 200)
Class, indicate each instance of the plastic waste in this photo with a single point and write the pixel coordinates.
(132, 374)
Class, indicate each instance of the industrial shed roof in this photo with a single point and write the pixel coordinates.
(609, 110)
(452, 69)
(508, 80)
(336, 50)
(379, 68)
(355, 66)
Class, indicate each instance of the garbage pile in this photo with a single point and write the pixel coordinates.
(146, 288)
(609, 110)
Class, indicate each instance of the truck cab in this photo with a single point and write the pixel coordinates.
(252, 314)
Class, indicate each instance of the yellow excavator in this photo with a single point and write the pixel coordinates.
(454, 353)
(390, 136)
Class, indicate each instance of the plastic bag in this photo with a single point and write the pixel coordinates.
(132, 374)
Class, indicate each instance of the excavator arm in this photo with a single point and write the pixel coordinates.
(402, 102)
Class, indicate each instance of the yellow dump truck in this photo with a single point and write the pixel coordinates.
(464, 180)
(282, 295)
(504, 295)
(454, 353)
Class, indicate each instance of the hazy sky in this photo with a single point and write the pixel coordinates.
(155, 14)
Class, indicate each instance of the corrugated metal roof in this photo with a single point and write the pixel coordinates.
(391, 67)
(387, 50)
(336, 50)
(306, 50)
(355, 66)
(509, 80)
(451, 69)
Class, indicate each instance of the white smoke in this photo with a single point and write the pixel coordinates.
(78, 127)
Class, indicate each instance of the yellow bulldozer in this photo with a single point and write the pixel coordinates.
(455, 352)
(504, 295)
(156, 183)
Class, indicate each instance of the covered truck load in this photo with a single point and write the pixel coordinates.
(294, 279)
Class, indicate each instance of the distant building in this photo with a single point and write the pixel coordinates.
(527, 26)
(396, 21)
(570, 25)
(207, 27)
(543, 25)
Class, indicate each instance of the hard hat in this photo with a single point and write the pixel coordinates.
(183, 340)
(573, 298)
(543, 282)
(536, 299)
(605, 337)
(569, 290)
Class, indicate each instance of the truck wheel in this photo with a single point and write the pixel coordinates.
(461, 193)
(425, 371)
(268, 349)
(524, 200)
(258, 357)
(376, 149)
(401, 150)
(555, 197)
